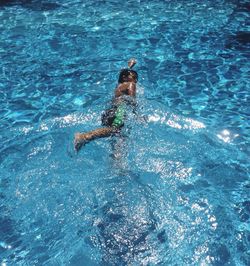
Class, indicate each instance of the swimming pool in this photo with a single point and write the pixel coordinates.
(175, 190)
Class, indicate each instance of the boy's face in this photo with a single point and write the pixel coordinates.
(128, 76)
(131, 78)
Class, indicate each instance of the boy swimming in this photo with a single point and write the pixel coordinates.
(113, 118)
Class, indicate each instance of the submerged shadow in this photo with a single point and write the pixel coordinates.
(239, 41)
(34, 5)
(9, 235)
(243, 7)
(126, 228)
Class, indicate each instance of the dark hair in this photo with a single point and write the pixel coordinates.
(125, 73)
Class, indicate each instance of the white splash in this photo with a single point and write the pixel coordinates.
(176, 121)
(227, 136)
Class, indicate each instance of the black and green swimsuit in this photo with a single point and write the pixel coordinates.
(114, 117)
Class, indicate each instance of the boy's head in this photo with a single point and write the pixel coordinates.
(128, 75)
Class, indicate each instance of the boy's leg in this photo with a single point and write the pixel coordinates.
(82, 138)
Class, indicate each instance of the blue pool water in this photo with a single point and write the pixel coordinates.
(175, 189)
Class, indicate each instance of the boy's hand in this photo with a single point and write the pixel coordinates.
(131, 62)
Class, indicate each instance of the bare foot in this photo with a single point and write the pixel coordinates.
(79, 141)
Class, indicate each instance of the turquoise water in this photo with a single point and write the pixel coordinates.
(174, 190)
